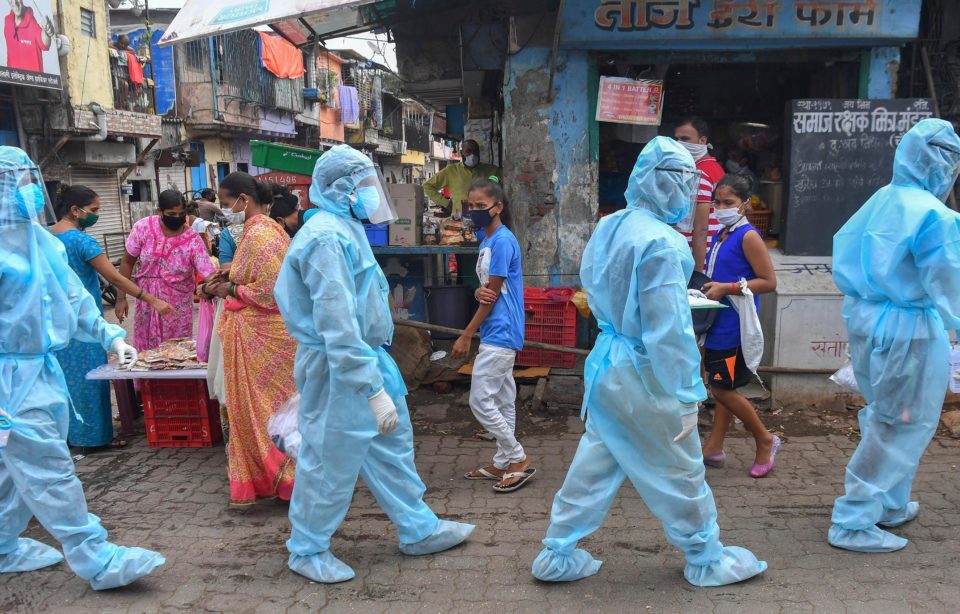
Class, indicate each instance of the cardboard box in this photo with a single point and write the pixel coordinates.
(409, 201)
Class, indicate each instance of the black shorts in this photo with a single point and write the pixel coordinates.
(726, 369)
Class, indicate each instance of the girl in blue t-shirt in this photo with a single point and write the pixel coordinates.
(738, 252)
(500, 320)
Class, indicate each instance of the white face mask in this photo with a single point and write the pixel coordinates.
(238, 217)
(471, 161)
(696, 150)
(728, 217)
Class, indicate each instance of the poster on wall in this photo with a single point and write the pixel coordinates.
(28, 50)
(638, 102)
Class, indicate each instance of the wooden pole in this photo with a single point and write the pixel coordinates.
(928, 72)
(456, 331)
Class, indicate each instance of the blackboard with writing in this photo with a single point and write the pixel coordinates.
(840, 152)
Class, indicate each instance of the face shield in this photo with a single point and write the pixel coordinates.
(370, 199)
(25, 196)
(688, 182)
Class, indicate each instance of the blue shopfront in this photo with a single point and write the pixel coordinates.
(736, 63)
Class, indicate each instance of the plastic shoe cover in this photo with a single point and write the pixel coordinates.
(873, 539)
(30, 555)
(126, 567)
(895, 518)
(447, 535)
(551, 566)
(735, 565)
(322, 567)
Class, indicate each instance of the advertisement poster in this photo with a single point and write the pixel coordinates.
(630, 101)
(28, 50)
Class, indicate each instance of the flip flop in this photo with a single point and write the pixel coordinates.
(524, 476)
(484, 475)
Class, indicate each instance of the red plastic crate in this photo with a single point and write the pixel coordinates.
(180, 414)
(550, 318)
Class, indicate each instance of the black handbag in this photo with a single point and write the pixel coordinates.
(702, 318)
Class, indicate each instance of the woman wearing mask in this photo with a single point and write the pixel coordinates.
(78, 209)
(286, 209)
(258, 352)
(738, 253)
(170, 256)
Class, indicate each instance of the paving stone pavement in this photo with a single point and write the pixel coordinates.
(222, 559)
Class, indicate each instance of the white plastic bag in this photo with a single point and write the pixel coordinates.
(282, 427)
(751, 334)
(845, 376)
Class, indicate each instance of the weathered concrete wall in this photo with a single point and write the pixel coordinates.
(88, 63)
(549, 172)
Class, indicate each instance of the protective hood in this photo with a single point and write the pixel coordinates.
(23, 196)
(664, 180)
(928, 157)
(335, 178)
(43, 304)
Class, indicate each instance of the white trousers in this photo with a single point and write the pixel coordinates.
(493, 399)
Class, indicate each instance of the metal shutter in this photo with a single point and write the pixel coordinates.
(109, 230)
(172, 177)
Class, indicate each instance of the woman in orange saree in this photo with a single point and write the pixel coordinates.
(258, 352)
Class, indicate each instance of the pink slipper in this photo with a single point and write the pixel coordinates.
(760, 471)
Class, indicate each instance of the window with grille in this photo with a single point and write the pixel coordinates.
(88, 23)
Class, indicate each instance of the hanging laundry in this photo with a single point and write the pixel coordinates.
(349, 104)
(134, 69)
(280, 57)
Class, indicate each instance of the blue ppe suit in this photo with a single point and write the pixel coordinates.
(43, 305)
(897, 261)
(333, 297)
(644, 368)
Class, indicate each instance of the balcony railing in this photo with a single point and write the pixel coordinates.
(232, 62)
(127, 95)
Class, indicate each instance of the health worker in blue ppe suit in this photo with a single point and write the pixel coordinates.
(642, 385)
(43, 305)
(897, 262)
(353, 416)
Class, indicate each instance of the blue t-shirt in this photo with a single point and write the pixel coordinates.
(81, 249)
(500, 257)
(730, 265)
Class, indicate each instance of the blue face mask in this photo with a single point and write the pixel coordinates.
(481, 218)
(30, 201)
(367, 203)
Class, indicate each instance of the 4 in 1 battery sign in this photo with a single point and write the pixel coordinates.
(630, 101)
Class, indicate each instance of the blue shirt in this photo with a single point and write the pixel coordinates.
(731, 265)
(81, 249)
(500, 257)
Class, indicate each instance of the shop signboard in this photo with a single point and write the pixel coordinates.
(736, 24)
(630, 101)
(840, 152)
(28, 49)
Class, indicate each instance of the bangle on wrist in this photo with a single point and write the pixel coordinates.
(140, 294)
(735, 288)
(233, 290)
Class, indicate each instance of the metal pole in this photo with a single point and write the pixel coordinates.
(555, 49)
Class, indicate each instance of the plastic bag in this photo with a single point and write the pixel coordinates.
(204, 329)
(751, 334)
(845, 377)
(579, 301)
(282, 427)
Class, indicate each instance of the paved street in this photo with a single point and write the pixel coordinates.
(224, 559)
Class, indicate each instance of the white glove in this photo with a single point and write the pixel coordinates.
(688, 421)
(126, 354)
(384, 411)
